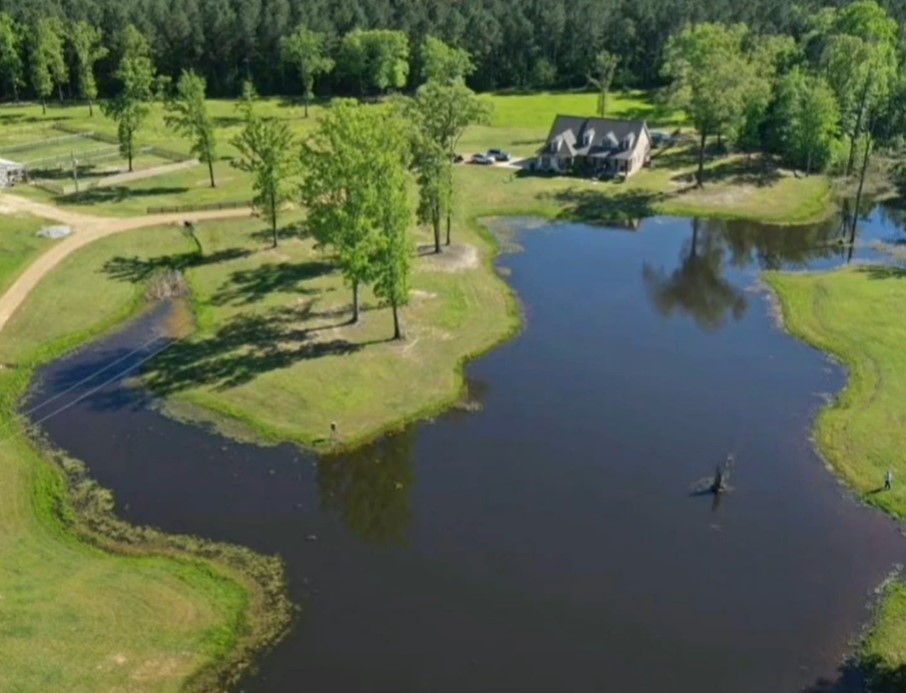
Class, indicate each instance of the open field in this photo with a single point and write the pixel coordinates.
(857, 315)
(738, 186)
(19, 245)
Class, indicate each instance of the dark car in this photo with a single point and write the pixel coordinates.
(498, 155)
(482, 160)
(458, 158)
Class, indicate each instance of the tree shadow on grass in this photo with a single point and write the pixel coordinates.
(247, 346)
(738, 171)
(247, 286)
(138, 269)
(115, 193)
(884, 272)
(859, 676)
(594, 205)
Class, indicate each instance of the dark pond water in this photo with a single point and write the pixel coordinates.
(549, 542)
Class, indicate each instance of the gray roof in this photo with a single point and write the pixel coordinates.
(6, 163)
(603, 133)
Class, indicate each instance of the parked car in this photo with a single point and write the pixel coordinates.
(661, 139)
(498, 155)
(482, 160)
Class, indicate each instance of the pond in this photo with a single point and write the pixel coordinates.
(553, 540)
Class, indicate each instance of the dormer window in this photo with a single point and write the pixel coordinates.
(628, 141)
(588, 137)
(612, 141)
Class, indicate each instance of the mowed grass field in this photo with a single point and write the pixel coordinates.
(19, 244)
(73, 617)
(857, 315)
(738, 186)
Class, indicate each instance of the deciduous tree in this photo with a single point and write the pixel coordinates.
(439, 115)
(443, 63)
(88, 49)
(306, 50)
(47, 61)
(11, 69)
(355, 190)
(136, 77)
(711, 79)
(187, 113)
(601, 77)
(267, 150)
(377, 59)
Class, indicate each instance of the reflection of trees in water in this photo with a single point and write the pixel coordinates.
(370, 488)
(772, 247)
(696, 288)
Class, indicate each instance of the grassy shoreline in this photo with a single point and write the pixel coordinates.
(240, 594)
(855, 315)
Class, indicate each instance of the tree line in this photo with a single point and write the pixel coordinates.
(514, 43)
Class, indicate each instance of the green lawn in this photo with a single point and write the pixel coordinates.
(19, 245)
(74, 617)
(857, 315)
(738, 187)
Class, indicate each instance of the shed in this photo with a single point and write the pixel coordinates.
(11, 172)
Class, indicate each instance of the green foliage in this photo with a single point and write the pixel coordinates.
(187, 113)
(808, 121)
(601, 78)
(354, 189)
(11, 67)
(377, 59)
(136, 77)
(267, 150)
(439, 115)
(86, 44)
(395, 249)
(712, 79)
(306, 50)
(47, 61)
(443, 63)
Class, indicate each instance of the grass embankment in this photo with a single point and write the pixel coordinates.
(89, 603)
(737, 186)
(857, 315)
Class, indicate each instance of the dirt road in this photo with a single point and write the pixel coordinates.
(85, 229)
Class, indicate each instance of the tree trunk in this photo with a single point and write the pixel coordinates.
(306, 104)
(436, 223)
(43, 106)
(211, 173)
(865, 159)
(397, 333)
(808, 163)
(355, 302)
(274, 220)
(60, 92)
(90, 109)
(15, 92)
(699, 177)
(857, 127)
(129, 156)
(449, 225)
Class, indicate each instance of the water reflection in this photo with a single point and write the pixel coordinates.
(697, 288)
(370, 488)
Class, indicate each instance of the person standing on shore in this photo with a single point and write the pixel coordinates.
(888, 480)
